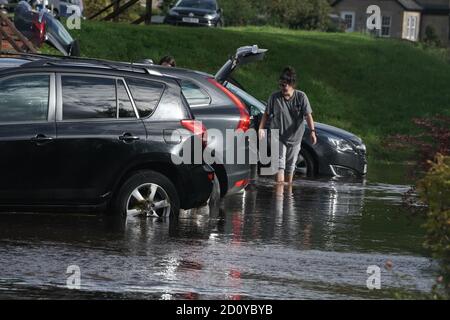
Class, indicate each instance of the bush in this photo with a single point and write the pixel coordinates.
(434, 189)
(296, 14)
(431, 37)
(238, 12)
(300, 14)
(93, 6)
(434, 138)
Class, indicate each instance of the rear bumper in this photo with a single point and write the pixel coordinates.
(238, 178)
(196, 184)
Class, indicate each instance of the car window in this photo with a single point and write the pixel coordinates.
(146, 95)
(194, 95)
(125, 106)
(197, 4)
(24, 98)
(254, 106)
(88, 98)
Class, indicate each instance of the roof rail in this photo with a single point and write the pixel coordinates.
(47, 59)
(23, 54)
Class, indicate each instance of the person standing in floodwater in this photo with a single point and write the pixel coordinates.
(287, 109)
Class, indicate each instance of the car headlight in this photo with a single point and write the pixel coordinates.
(173, 13)
(341, 144)
(362, 147)
(210, 16)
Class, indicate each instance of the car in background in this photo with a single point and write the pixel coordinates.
(65, 8)
(196, 13)
(42, 26)
(85, 134)
(4, 6)
(337, 152)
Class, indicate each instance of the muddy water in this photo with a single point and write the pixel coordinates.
(312, 241)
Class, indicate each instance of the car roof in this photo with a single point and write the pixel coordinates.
(16, 60)
(6, 63)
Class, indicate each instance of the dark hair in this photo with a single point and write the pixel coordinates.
(168, 59)
(289, 75)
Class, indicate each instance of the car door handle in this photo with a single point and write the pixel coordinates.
(41, 138)
(128, 137)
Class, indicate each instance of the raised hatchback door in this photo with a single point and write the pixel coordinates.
(243, 55)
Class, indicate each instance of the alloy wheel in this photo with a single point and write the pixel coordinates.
(148, 199)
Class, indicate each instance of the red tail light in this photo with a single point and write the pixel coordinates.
(40, 29)
(197, 128)
(244, 122)
(241, 183)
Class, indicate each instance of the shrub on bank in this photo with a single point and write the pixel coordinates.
(434, 189)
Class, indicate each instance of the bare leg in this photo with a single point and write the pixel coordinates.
(279, 190)
(289, 178)
(280, 176)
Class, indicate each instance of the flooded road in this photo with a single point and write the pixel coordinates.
(312, 241)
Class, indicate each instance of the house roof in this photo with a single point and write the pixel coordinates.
(435, 9)
(409, 5)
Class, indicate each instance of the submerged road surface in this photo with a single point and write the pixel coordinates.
(315, 240)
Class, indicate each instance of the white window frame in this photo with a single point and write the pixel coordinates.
(352, 13)
(411, 28)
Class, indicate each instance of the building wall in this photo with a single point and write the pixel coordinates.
(440, 23)
(388, 8)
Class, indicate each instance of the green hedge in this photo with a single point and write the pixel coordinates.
(434, 189)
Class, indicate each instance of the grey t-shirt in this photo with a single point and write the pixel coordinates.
(288, 116)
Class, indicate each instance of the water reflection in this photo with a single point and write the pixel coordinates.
(269, 242)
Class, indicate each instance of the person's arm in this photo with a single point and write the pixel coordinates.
(310, 122)
(262, 126)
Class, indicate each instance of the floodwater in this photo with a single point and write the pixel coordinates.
(315, 240)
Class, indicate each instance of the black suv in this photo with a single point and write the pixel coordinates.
(91, 134)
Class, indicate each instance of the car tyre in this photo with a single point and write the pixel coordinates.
(147, 193)
(306, 165)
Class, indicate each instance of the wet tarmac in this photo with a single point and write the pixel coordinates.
(314, 240)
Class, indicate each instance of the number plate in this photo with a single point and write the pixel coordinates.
(191, 20)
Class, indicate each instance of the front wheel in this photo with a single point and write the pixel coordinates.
(306, 165)
(147, 193)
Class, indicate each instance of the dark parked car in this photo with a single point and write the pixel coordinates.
(218, 108)
(196, 12)
(91, 134)
(337, 152)
(42, 27)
